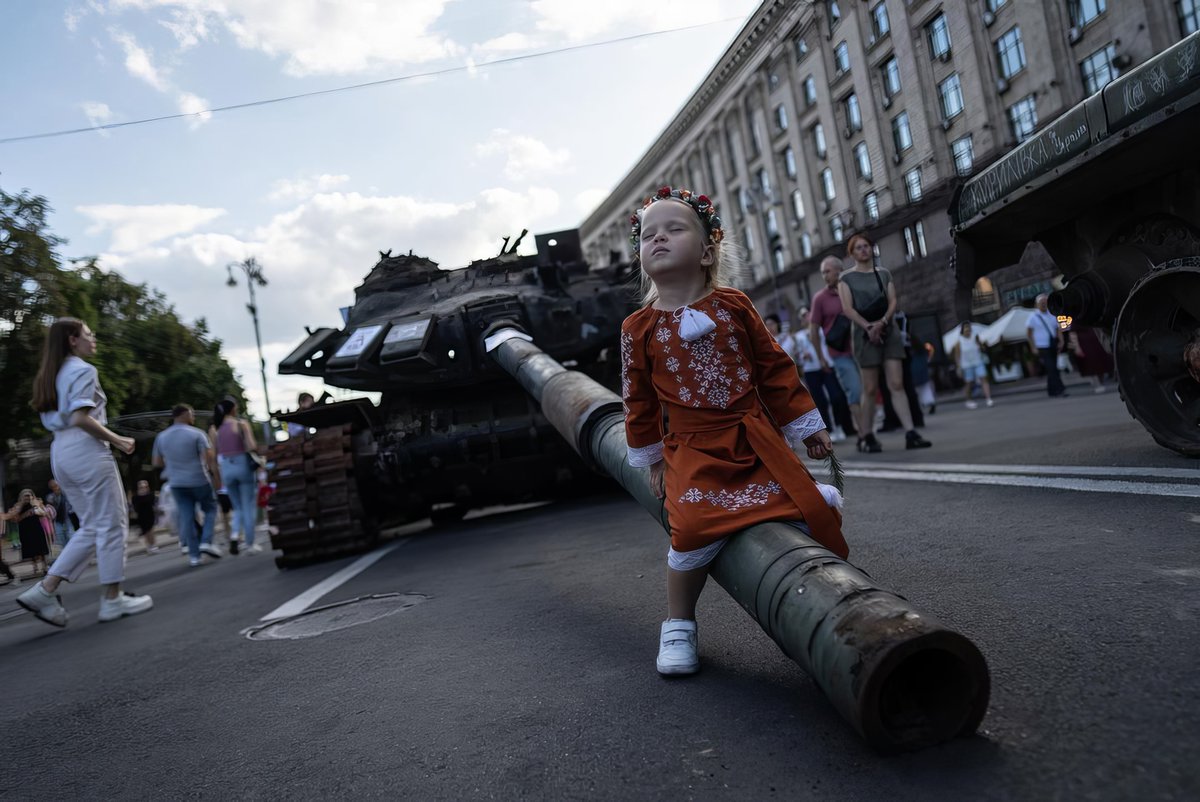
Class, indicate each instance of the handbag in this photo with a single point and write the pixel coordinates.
(838, 336)
(256, 460)
(878, 307)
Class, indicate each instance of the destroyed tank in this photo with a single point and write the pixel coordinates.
(1111, 189)
(452, 431)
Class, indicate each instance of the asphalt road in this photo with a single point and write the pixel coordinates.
(522, 664)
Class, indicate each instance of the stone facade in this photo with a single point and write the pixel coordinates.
(828, 118)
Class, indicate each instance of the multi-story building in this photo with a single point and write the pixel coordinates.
(828, 118)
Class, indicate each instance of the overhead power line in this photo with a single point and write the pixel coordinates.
(366, 85)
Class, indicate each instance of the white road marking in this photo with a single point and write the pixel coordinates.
(1044, 482)
(313, 594)
(1070, 470)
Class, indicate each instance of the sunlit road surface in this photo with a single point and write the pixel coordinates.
(512, 655)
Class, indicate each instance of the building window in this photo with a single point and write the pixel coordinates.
(797, 205)
(835, 12)
(837, 229)
(772, 81)
(880, 25)
(890, 75)
(827, 184)
(749, 239)
(1084, 11)
(995, 5)
(806, 245)
(743, 201)
(914, 241)
(950, 91)
(1189, 16)
(963, 151)
(779, 259)
(862, 160)
(818, 135)
(853, 112)
(912, 185)
(764, 183)
(919, 230)
(1097, 69)
(910, 244)
(755, 135)
(781, 118)
(938, 34)
(1022, 118)
(789, 162)
(871, 206)
(841, 58)
(901, 133)
(801, 50)
(772, 224)
(733, 148)
(1010, 52)
(810, 91)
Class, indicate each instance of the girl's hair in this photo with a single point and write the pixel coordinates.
(963, 328)
(55, 351)
(223, 409)
(853, 240)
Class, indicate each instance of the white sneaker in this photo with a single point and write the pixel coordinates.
(194, 562)
(837, 436)
(46, 606)
(972, 405)
(1099, 388)
(211, 550)
(677, 648)
(124, 604)
(991, 403)
(255, 549)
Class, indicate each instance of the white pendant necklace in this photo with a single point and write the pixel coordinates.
(692, 324)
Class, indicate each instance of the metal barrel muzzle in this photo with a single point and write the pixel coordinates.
(901, 678)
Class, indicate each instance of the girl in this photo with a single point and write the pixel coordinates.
(234, 442)
(29, 513)
(869, 300)
(144, 504)
(699, 351)
(67, 393)
(968, 355)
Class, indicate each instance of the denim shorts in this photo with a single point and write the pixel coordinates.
(973, 373)
(848, 376)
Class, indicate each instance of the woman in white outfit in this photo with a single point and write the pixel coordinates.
(67, 394)
(968, 355)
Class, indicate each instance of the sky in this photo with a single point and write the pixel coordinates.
(314, 188)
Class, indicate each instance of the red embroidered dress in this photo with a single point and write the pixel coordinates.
(728, 463)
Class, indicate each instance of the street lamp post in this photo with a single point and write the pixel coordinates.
(254, 275)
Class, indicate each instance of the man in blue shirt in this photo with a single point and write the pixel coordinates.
(1045, 337)
(187, 455)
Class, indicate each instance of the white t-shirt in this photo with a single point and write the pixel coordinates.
(968, 352)
(1044, 327)
(77, 386)
(808, 359)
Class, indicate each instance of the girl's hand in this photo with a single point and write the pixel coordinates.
(819, 445)
(658, 473)
(124, 444)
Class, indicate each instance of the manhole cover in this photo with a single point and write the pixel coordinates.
(333, 617)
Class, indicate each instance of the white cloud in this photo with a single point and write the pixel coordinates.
(286, 189)
(97, 113)
(313, 254)
(196, 106)
(589, 200)
(328, 37)
(524, 155)
(133, 228)
(137, 60)
(577, 21)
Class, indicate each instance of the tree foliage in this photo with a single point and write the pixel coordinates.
(147, 357)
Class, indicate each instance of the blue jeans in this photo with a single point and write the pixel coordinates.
(186, 499)
(62, 530)
(848, 376)
(242, 485)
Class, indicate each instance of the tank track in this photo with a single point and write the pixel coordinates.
(316, 507)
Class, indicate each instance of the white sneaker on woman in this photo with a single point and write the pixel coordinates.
(124, 604)
(677, 653)
(46, 606)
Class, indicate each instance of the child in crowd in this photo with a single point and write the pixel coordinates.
(739, 416)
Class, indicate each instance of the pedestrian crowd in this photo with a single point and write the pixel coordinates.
(87, 511)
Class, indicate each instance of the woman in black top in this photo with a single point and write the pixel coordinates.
(143, 503)
(35, 544)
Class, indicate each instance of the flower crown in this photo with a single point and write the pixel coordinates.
(703, 206)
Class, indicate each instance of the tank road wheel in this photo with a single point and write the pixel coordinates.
(316, 506)
(1157, 349)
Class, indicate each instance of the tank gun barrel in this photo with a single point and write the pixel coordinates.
(901, 678)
